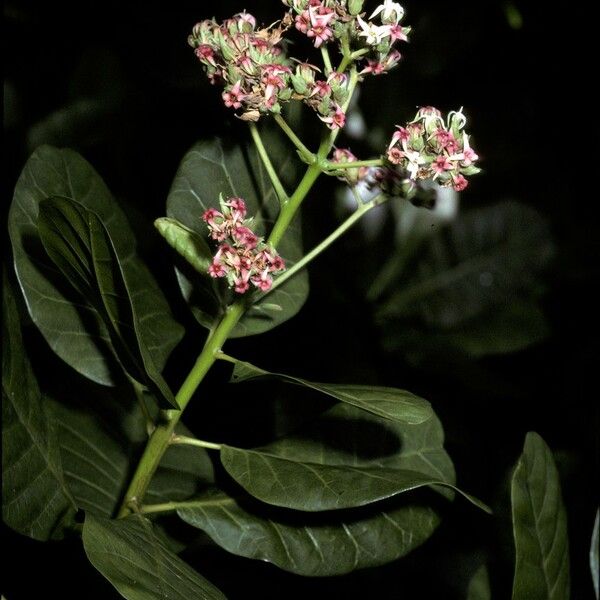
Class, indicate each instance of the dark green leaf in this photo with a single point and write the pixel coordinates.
(80, 246)
(99, 449)
(318, 486)
(479, 586)
(35, 499)
(484, 259)
(129, 554)
(310, 546)
(72, 328)
(390, 403)
(337, 542)
(594, 562)
(212, 168)
(189, 244)
(539, 526)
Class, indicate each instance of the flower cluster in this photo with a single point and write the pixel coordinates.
(242, 257)
(352, 176)
(256, 75)
(249, 63)
(430, 147)
(323, 21)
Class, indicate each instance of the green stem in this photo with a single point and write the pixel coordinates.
(262, 151)
(189, 441)
(170, 506)
(161, 437)
(326, 60)
(332, 237)
(333, 166)
(289, 209)
(139, 389)
(305, 153)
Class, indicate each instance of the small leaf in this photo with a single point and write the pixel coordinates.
(594, 562)
(187, 243)
(390, 403)
(334, 545)
(317, 486)
(135, 561)
(80, 246)
(539, 526)
(35, 499)
(73, 329)
(479, 586)
(212, 168)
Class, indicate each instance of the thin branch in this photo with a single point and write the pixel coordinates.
(304, 151)
(264, 155)
(189, 441)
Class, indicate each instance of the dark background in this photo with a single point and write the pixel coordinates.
(117, 82)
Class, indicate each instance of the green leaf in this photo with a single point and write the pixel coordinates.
(390, 403)
(189, 244)
(212, 168)
(594, 562)
(80, 246)
(318, 486)
(99, 448)
(539, 526)
(35, 499)
(323, 546)
(335, 542)
(483, 260)
(479, 586)
(135, 561)
(73, 329)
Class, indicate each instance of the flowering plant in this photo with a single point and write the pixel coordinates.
(363, 481)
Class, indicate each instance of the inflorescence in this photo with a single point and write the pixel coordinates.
(242, 257)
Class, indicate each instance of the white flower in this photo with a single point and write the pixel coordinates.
(374, 33)
(388, 8)
(415, 160)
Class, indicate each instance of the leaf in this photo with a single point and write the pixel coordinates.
(594, 562)
(211, 168)
(78, 243)
(505, 329)
(134, 560)
(99, 450)
(311, 546)
(483, 260)
(539, 526)
(479, 586)
(317, 486)
(73, 329)
(333, 543)
(35, 499)
(390, 403)
(192, 246)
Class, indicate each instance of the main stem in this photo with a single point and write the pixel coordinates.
(162, 436)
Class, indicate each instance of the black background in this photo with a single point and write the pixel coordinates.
(523, 90)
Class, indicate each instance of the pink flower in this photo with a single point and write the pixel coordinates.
(241, 282)
(216, 269)
(245, 17)
(459, 182)
(401, 134)
(244, 237)
(302, 22)
(397, 33)
(444, 138)
(320, 18)
(395, 155)
(206, 53)
(335, 120)
(238, 207)
(210, 214)
(234, 97)
(469, 157)
(320, 88)
(263, 281)
(373, 66)
(441, 164)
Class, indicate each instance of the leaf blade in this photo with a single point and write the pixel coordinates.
(133, 559)
(539, 526)
(35, 499)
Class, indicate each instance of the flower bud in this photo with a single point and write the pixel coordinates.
(355, 6)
